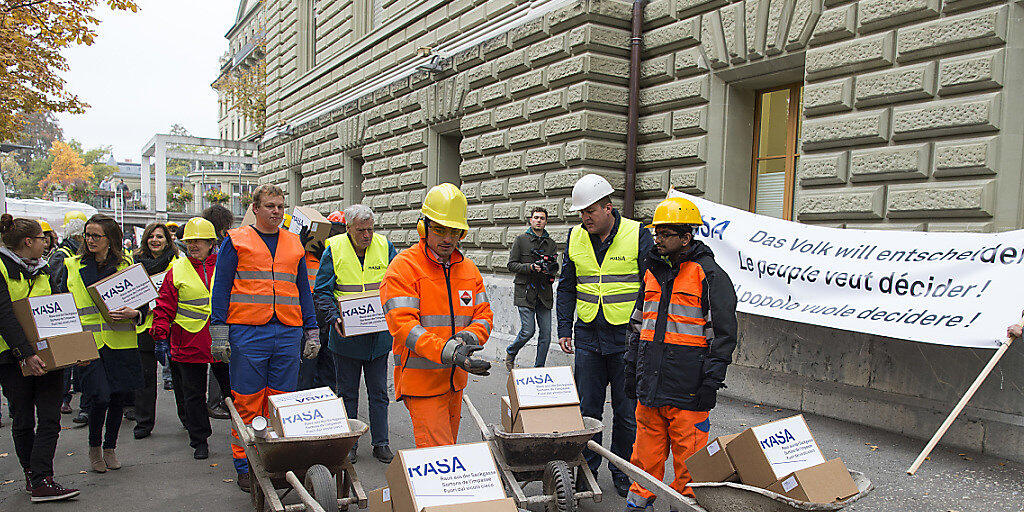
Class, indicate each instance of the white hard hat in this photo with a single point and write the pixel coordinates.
(590, 189)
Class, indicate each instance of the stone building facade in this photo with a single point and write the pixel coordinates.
(901, 116)
(245, 53)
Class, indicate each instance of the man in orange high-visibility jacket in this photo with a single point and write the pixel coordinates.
(262, 312)
(438, 314)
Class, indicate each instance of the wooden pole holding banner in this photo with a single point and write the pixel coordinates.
(960, 406)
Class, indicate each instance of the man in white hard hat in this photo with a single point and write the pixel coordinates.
(599, 282)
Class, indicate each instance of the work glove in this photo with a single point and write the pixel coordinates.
(220, 348)
(706, 397)
(463, 358)
(629, 382)
(305, 236)
(162, 351)
(310, 343)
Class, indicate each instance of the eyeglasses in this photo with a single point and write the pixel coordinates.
(92, 236)
(445, 231)
(664, 235)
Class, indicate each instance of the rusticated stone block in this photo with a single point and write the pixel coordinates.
(494, 94)
(478, 213)
(687, 8)
(656, 127)
(974, 72)
(494, 189)
(389, 219)
(414, 140)
(479, 258)
(527, 33)
(526, 135)
(418, 159)
(878, 14)
(389, 183)
(659, 12)
(689, 62)
(495, 46)
(476, 123)
(652, 183)
(512, 113)
(672, 37)
(592, 66)
(566, 16)
(549, 157)
(674, 152)
(398, 200)
(947, 117)
(389, 146)
(848, 129)
(507, 163)
(690, 180)
(598, 38)
(494, 237)
(894, 85)
(371, 185)
(835, 24)
(473, 168)
(592, 152)
(543, 105)
(525, 186)
(597, 96)
(848, 57)
(690, 121)
(852, 203)
(511, 64)
(399, 162)
(416, 197)
(966, 157)
(585, 124)
(952, 34)
(657, 70)
(468, 147)
(526, 84)
(925, 200)
(471, 189)
(681, 93)
(378, 203)
(493, 142)
(822, 169)
(828, 97)
(888, 163)
(561, 181)
(547, 50)
(508, 212)
(961, 227)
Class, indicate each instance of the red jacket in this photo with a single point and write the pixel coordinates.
(186, 347)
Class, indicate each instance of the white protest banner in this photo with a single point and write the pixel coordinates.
(957, 289)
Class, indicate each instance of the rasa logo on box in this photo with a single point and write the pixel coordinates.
(788, 445)
(302, 397)
(55, 315)
(447, 475)
(543, 387)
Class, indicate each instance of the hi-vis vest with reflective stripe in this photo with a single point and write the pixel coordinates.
(193, 296)
(349, 276)
(613, 285)
(117, 335)
(262, 280)
(148, 324)
(312, 267)
(22, 288)
(685, 323)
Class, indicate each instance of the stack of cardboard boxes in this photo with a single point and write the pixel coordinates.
(312, 412)
(52, 325)
(781, 456)
(541, 400)
(130, 288)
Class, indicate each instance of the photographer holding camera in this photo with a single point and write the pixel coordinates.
(534, 261)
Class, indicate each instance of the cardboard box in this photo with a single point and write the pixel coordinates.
(306, 396)
(443, 475)
(65, 350)
(712, 463)
(319, 226)
(506, 414)
(548, 420)
(768, 452)
(361, 313)
(379, 500)
(827, 482)
(502, 505)
(47, 316)
(130, 287)
(313, 412)
(249, 218)
(541, 387)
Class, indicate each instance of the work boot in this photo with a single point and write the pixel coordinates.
(635, 503)
(82, 419)
(352, 455)
(622, 484)
(141, 433)
(243, 482)
(218, 411)
(51, 491)
(65, 408)
(510, 362)
(110, 459)
(202, 452)
(383, 453)
(96, 459)
(129, 413)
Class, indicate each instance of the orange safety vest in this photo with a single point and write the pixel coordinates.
(312, 267)
(255, 287)
(685, 324)
(421, 303)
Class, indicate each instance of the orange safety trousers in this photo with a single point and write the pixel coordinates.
(435, 419)
(248, 407)
(659, 429)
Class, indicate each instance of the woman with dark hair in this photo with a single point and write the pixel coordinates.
(156, 254)
(25, 274)
(111, 380)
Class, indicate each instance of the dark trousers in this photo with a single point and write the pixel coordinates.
(106, 413)
(189, 381)
(32, 398)
(594, 373)
(318, 372)
(145, 398)
(375, 374)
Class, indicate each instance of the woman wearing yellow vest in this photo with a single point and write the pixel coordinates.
(182, 316)
(156, 254)
(25, 274)
(110, 381)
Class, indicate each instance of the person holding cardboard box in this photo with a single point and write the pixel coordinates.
(71, 233)
(354, 262)
(37, 395)
(682, 334)
(438, 314)
(599, 282)
(111, 380)
(262, 316)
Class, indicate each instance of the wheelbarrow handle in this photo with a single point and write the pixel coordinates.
(485, 431)
(307, 499)
(236, 419)
(676, 501)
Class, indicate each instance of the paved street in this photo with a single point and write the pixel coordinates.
(160, 474)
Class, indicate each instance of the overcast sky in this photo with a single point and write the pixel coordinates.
(147, 71)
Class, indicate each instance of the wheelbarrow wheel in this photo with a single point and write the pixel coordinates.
(259, 501)
(323, 486)
(559, 482)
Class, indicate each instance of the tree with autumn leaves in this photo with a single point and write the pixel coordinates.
(68, 173)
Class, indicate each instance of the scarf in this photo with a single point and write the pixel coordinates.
(155, 265)
(31, 267)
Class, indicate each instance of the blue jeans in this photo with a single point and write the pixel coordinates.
(594, 373)
(375, 373)
(318, 372)
(526, 320)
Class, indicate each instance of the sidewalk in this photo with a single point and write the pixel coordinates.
(160, 474)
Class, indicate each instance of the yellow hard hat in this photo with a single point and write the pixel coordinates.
(198, 228)
(45, 225)
(171, 224)
(75, 214)
(676, 210)
(287, 222)
(445, 204)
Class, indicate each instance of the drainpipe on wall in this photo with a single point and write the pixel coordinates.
(633, 111)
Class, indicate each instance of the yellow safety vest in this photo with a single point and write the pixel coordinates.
(116, 335)
(193, 296)
(148, 324)
(614, 284)
(22, 288)
(349, 276)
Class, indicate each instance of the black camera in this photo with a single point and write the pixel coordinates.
(548, 264)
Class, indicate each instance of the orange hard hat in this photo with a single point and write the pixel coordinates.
(336, 216)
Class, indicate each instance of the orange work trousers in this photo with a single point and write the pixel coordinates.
(435, 419)
(659, 429)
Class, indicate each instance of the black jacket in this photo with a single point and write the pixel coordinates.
(13, 333)
(533, 289)
(669, 374)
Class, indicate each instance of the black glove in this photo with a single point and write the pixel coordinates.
(304, 235)
(317, 248)
(629, 382)
(463, 358)
(706, 398)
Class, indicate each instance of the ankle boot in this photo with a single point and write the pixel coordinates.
(110, 459)
(96, 459)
